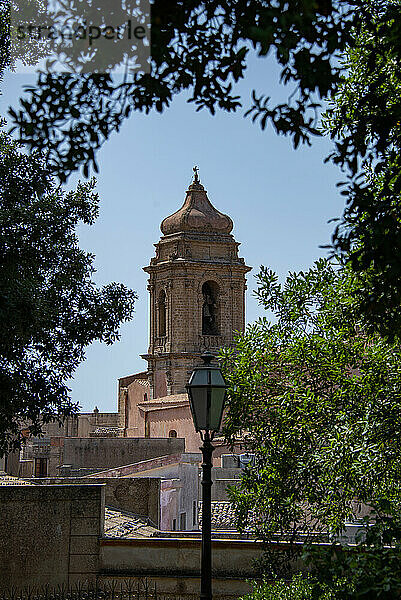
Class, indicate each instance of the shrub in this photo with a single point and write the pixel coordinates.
(301, 587)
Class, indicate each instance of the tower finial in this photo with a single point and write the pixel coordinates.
(196, 176)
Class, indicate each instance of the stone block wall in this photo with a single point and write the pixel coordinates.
(138, 496)
(106, 453)
(223, 477)
(49, 535)
(174, 563)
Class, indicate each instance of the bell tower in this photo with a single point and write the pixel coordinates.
(197, 291)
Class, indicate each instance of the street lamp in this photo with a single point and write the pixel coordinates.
(207, 391)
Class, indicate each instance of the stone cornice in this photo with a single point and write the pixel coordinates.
(169, 355)
(236, 264)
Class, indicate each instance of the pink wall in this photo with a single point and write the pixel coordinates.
(168, 504)
(160, 384)
(178, 419)
(135, 420)
(161, 421)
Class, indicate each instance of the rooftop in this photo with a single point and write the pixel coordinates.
(223, 516)
(10, 480)
(125, 525)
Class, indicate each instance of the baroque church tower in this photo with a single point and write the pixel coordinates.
(197, 291)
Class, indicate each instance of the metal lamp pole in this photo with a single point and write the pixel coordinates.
(206, 392)
(206, 561)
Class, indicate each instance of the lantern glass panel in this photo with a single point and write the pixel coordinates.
(217, 377)
(216, 408)
(206, 389)
(198, 397)
(199, 377)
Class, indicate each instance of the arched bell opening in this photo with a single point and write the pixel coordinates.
(161, 309)
(210, 308)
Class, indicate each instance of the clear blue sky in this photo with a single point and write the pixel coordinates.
(279, 199)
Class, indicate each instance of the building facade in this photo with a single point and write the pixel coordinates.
(197, 302)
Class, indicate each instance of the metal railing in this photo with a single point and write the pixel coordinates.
(138, 589)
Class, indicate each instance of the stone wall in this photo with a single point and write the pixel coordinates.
(81, 424)
(11, 463)
(49, 535)
(138, 496)
(183, 556)
(223, 477)
(52, 535)
(175, 563)
(106, 453)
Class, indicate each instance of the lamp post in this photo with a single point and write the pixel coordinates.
(207, 391)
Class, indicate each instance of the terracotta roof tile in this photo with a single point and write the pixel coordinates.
(223, 516)
(122, 524)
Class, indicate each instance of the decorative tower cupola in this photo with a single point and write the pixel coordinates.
(197, 214)
(197, 291)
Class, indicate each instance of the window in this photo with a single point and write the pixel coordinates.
(161, 309)
(210, 316)
(145, 397)
(174, 525)
(183, 521)
(172, 433)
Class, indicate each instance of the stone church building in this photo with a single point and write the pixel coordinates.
(197, 301)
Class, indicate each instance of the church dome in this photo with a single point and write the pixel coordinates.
(197, 213)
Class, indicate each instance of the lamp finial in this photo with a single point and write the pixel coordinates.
(207, 357)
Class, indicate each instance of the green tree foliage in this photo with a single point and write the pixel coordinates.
(301, 587)
(50, 308)
(344, 575)
(369, 571)
(365, 123)
(346, 50)
(4, 37)
(369, 575)
(202, 48)
(318, 399)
